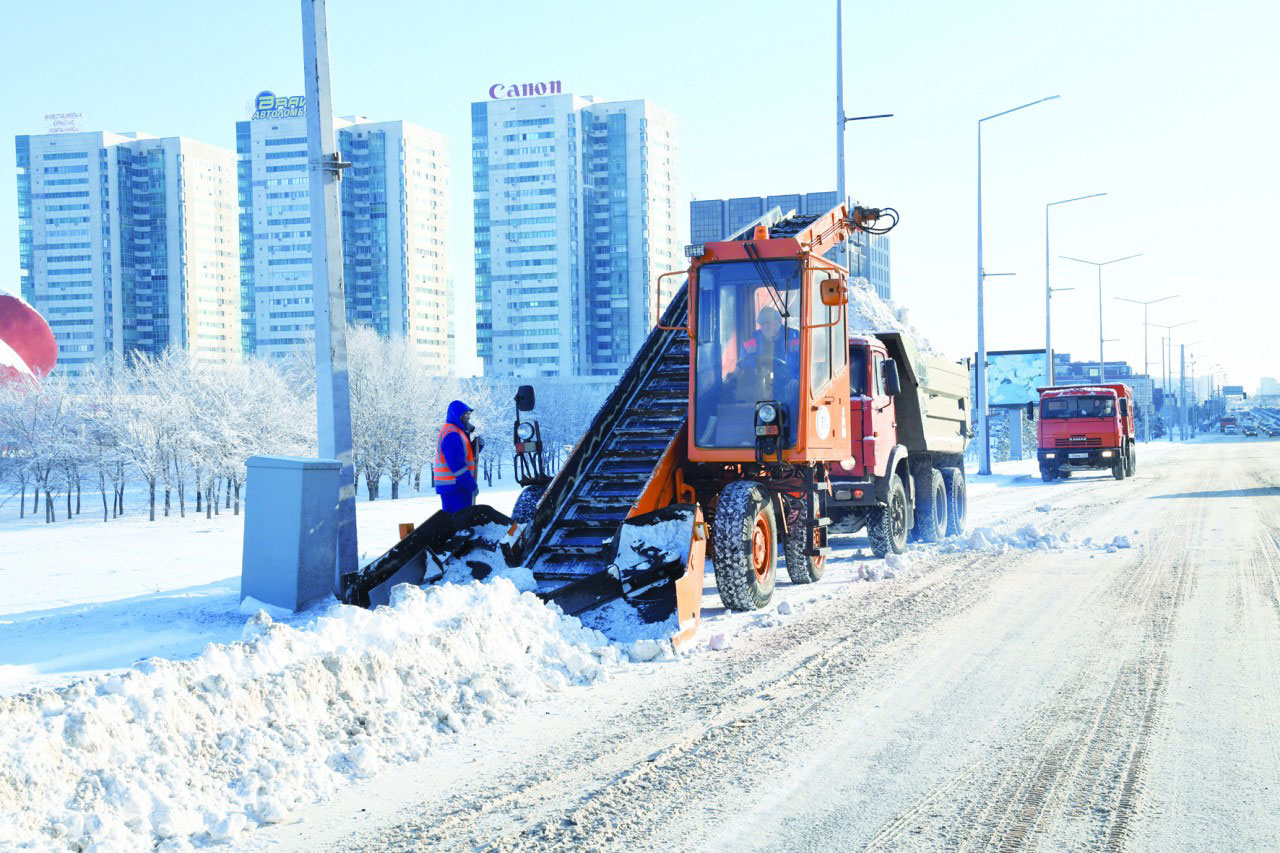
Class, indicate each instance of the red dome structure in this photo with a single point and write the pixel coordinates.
(27, 345)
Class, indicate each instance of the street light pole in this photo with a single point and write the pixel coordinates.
(1102, 363)
(842, 251)
(1166, 364)
(980, 377)
(1048, 291)
(1146, 351)
(333, 391)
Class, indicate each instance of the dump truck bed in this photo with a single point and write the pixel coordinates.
(933, 408)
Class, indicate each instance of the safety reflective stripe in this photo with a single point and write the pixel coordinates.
(443, 474)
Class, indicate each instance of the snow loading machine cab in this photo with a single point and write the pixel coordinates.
(732, 409)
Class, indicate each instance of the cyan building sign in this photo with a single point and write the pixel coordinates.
(498, 91)
(268, 105)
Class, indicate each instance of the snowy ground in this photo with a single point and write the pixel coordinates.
(1095, 664)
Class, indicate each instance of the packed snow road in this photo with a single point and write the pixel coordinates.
(987, 697)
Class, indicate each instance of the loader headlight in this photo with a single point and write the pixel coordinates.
(524, 431)
(767, 413)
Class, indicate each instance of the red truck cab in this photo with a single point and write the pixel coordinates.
(1083, 427)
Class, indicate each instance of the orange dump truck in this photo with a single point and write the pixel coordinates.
(1085, 427)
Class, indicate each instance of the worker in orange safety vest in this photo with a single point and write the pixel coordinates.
(454, 474)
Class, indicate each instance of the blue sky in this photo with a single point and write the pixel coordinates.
(1167, 106)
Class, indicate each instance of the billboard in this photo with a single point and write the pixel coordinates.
(1014, 375)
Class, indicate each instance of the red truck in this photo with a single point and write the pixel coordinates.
(1085, 427)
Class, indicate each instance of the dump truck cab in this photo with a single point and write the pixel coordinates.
(1084, 427)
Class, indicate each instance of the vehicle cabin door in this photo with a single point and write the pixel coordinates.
(827, 379)
(884, 426)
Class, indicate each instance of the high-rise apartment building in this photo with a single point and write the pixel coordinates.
(395, 224)
(127, 244)
(715, 219)
(575, 219)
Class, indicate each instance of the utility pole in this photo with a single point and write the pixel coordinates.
(333, 392)
(1102, 364)
(1182, 392)
(1048, 290)
(842, 251)
(980, 369)
(1146, 349)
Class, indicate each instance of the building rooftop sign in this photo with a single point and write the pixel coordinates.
(63, 122)
(498, 91)
(268, 105)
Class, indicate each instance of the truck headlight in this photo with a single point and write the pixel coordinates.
(767, 413)
(1106, 454)
(524, 431)
(1051, 456)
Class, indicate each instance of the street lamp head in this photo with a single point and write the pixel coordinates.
(1077, 198)
(1015, 109)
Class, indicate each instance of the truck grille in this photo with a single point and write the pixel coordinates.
(1077, 442)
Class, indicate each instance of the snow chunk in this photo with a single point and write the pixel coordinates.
(1121, 541)
(784, 608)
(250, 606)
(719, 642)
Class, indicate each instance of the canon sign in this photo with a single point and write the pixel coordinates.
(523, 90)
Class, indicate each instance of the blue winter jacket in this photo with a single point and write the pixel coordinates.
(455, 452)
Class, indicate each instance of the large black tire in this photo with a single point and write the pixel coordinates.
(931, 507)
(1121, 466)
(957, 501)
(887, 525)
(745, 546)
(801, 567)
(1047, 474)
(522, 512)
(1132, 458)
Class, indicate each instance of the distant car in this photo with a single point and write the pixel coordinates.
(1251, 431)
(1230, 430)
(1274, 432)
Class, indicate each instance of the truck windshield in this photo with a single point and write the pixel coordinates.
(1078, 407)
(747, 349)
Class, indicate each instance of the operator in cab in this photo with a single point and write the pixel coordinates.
(769, 359)
(454, 473)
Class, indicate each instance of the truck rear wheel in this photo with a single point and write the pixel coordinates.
(957, 501)
(745, 546)
(887, 525)
(931, 507)
(1132, 458)
(801, 567)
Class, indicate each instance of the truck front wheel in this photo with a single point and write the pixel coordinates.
(887, 524)
(745, 546)
(1121, 466)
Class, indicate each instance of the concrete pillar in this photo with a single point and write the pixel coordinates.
(1015, 432)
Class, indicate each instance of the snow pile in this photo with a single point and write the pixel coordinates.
(1027, 537)
(192, 752)
(868, 313)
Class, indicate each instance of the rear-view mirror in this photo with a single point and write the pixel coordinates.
(1031, 411)
(834, 294)
(892, 381)
(524, 398)
(1124, 407)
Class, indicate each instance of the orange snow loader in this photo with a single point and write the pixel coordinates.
(722, 439)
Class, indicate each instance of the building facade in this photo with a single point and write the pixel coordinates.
(575, 219)
(395, 225)
(127, 244)
(715, 219)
